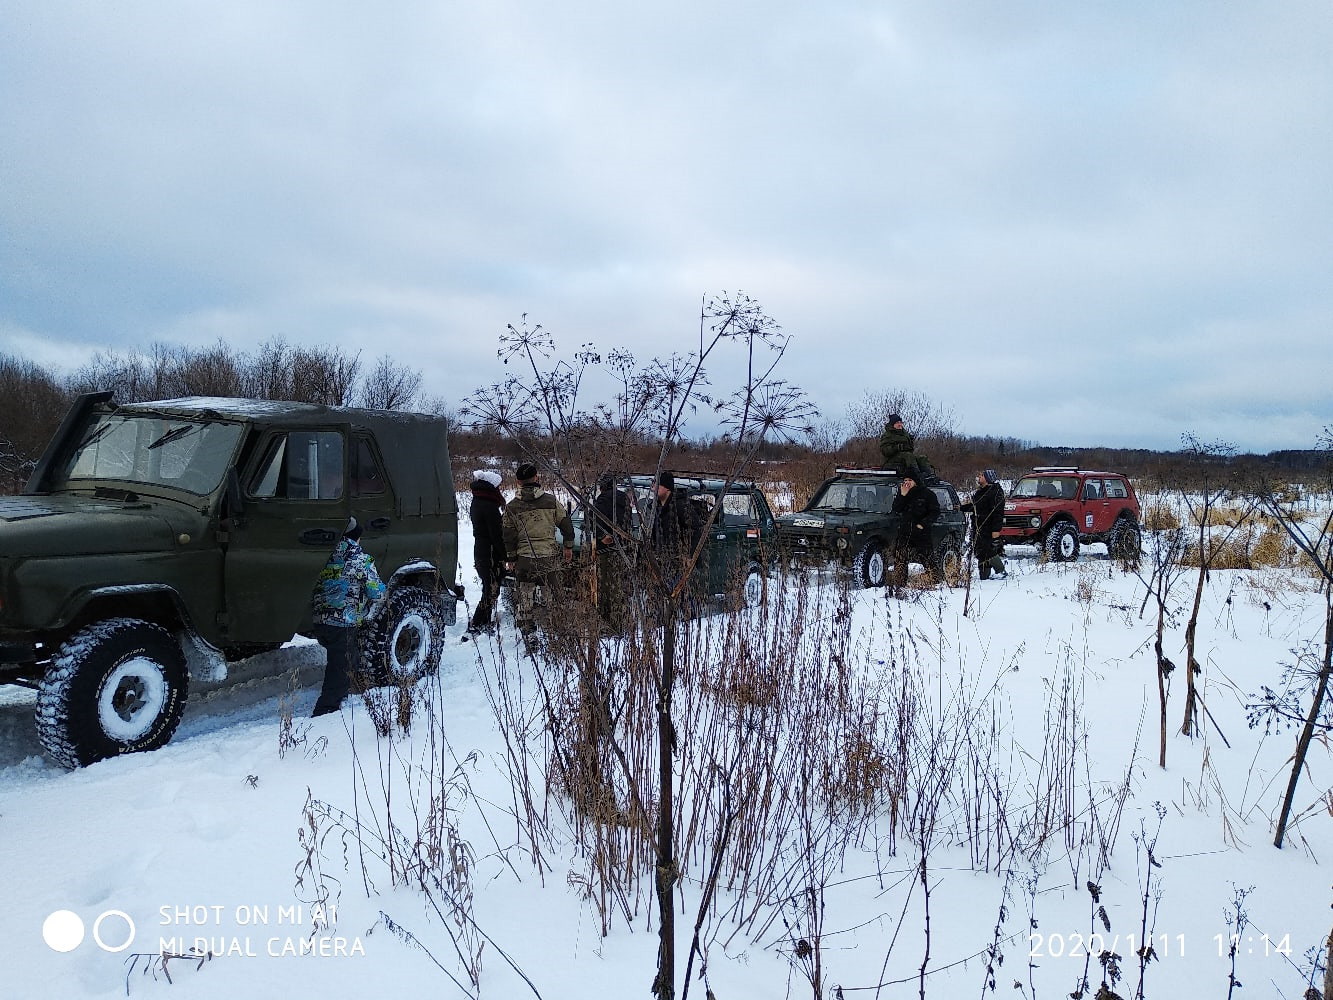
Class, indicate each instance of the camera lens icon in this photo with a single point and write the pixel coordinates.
(113, 930)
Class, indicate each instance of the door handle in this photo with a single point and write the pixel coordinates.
(317, 536)
(379, 523)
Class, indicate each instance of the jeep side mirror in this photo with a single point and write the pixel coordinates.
(233, 505)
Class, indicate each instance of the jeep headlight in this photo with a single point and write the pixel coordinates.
(1035, 521)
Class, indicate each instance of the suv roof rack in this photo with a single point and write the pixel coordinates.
(1055, 468)
(866, 472)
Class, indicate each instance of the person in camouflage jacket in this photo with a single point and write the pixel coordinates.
(531, 550)
(348, 590)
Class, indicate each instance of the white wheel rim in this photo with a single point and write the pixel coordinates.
(875, 567)
(413, 625)
(132, 699)
(754, 589)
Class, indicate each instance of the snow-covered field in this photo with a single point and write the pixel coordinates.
(208, 841)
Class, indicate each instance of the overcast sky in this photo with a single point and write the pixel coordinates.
(1071, 223)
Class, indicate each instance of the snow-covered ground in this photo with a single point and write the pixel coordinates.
(209, 841)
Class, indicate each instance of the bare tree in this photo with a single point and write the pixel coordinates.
(390, 386)
(1164, 549)
(1201, 502)
(926, 418)
(31, 404)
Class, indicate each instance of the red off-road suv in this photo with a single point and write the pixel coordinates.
(1058, 507)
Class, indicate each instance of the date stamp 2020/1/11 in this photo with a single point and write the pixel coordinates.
(1078, 945)
(1164, 946)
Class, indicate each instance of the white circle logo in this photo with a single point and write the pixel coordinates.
(63, 931)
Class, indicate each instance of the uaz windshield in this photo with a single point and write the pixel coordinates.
(152, 450)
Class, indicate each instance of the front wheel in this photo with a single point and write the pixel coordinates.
(115, 687)
(404, 642)
(754, 586)
(1062, 542)
(949, 563)
(868, 567)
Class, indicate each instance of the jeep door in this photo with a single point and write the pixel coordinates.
(741, 534)
(1097, 515)
(294, 510)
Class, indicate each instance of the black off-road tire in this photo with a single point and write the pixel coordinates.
(753, 590)
(1126, 542)
(118, 686)
(1062, 542)
(870, 567)
(405, 640)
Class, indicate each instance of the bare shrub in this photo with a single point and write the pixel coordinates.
(1160, 517)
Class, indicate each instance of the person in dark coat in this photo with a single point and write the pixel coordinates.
(488, 545)
(917, 508)
(676, 530)
(987, 507)
(612, 534)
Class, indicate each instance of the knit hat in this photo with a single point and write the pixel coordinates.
(894, 419)
(606, 481)
(526, 472)
(353, 530)
(989, 476)
(487, 476)
(666, 479)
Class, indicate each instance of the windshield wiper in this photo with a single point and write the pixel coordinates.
(175, 434)
(94, 435)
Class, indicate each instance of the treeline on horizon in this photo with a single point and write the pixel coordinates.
(33, 400)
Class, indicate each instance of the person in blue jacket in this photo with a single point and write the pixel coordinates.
(348, 590)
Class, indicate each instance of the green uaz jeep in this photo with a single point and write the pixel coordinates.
(158, 541)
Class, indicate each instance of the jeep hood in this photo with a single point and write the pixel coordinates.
(73, 525)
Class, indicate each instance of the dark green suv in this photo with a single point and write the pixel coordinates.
(739, 549)
(159, 541)
(850, 521)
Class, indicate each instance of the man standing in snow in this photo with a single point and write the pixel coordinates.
(529, 525)
(488, 545)
(348, 590)
(987, 507)
(674, 533)
(613, 536)
(917, 507)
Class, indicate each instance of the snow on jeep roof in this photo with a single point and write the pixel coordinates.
(269, 409)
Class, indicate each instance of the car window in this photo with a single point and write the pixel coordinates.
(1115, 489)
(301, 465)
(1092, 489)
(737, 508)
(366, 477)
(944, 496)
